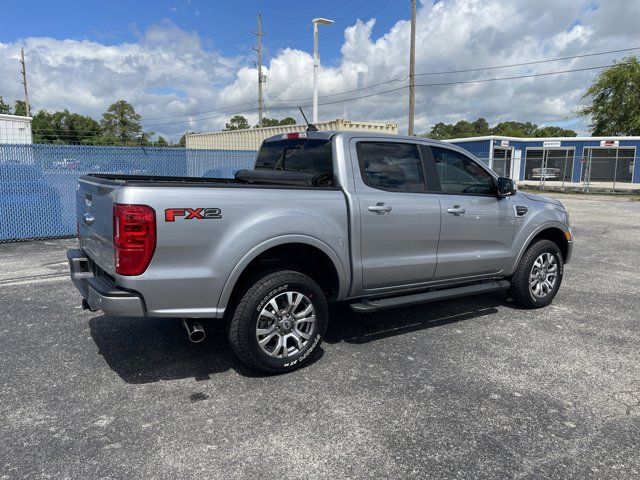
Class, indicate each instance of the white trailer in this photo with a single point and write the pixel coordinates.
(15, 129)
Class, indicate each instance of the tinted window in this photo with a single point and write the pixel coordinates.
(459, 174)
(313, 156)
(391, 166)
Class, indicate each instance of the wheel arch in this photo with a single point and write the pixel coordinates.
(555, 233)
(321, 263)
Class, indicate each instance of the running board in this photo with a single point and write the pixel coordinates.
(367, 306)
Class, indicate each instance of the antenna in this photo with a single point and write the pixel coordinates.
(310, 127)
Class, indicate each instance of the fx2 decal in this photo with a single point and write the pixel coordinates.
(170, 214)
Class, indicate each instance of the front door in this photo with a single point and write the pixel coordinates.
(477, 227)
(399, 220)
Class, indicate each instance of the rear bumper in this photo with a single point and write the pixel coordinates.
(99, 292)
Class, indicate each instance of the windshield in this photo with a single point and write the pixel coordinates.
(299, 155)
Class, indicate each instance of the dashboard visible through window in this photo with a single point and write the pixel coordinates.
(459, 174)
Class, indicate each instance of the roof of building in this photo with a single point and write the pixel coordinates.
(4, 116)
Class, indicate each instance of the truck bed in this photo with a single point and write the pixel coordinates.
(267, 179)
(194, 256)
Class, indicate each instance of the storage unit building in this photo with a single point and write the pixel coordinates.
(15, 129)
(563, 159)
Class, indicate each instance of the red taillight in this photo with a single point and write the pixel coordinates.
(134, 237)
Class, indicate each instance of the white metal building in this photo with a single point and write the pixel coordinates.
(252, 138)
(15, 129)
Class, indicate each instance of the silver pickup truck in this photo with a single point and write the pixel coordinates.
(378, 221)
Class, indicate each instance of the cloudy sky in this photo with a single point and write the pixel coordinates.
(188, 64)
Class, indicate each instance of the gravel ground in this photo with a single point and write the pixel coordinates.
(471, 388)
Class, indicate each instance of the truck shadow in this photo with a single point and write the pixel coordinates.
(154, 349)
(347, 326)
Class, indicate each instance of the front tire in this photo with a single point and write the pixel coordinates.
(279, 321)
(538, 276)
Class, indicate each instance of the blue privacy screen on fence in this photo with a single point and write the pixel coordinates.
(38, 182)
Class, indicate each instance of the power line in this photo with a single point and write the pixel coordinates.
(468, 70)
(399, 79)
(534, 62)
(440, 84)
(201, 111)
(435, 84)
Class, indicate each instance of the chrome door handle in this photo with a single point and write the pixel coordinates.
(89, 219)
(380, 208)
(457, 210)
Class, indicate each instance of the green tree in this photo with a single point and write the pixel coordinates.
(161, 142)
(65, 127)
(553, 131)
(121, 123)
(615, 100)
(237, 123)
(20, 108)
(441, 131)
(515, 129)
(4, 107)
(479, 128)
(274, 122)
(183, 140)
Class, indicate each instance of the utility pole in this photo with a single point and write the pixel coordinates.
(412, 67)
(24, 82)
(259, 34)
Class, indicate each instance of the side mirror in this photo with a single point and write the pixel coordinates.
(506, 187)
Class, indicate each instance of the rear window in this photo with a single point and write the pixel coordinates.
(300, 155)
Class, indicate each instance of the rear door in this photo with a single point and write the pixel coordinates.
(477, 227)
(399, 220)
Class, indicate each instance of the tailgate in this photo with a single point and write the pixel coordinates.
(94, 211)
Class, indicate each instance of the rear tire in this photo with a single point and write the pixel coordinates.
(279, 321)
(538, 276)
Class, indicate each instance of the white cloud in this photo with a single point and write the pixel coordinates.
(169, 73)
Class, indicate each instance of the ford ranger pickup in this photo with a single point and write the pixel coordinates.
(378, 221)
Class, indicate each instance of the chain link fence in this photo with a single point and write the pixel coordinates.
(38, 182)
(599, 169)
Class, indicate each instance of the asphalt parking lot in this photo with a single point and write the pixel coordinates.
(471, 388)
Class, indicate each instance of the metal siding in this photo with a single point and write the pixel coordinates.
(479, 148)
(251, 139)
(15, 129)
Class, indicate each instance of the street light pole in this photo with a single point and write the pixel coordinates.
(412, 68)
(316, 64)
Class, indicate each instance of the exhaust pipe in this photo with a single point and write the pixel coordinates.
(195, 332)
